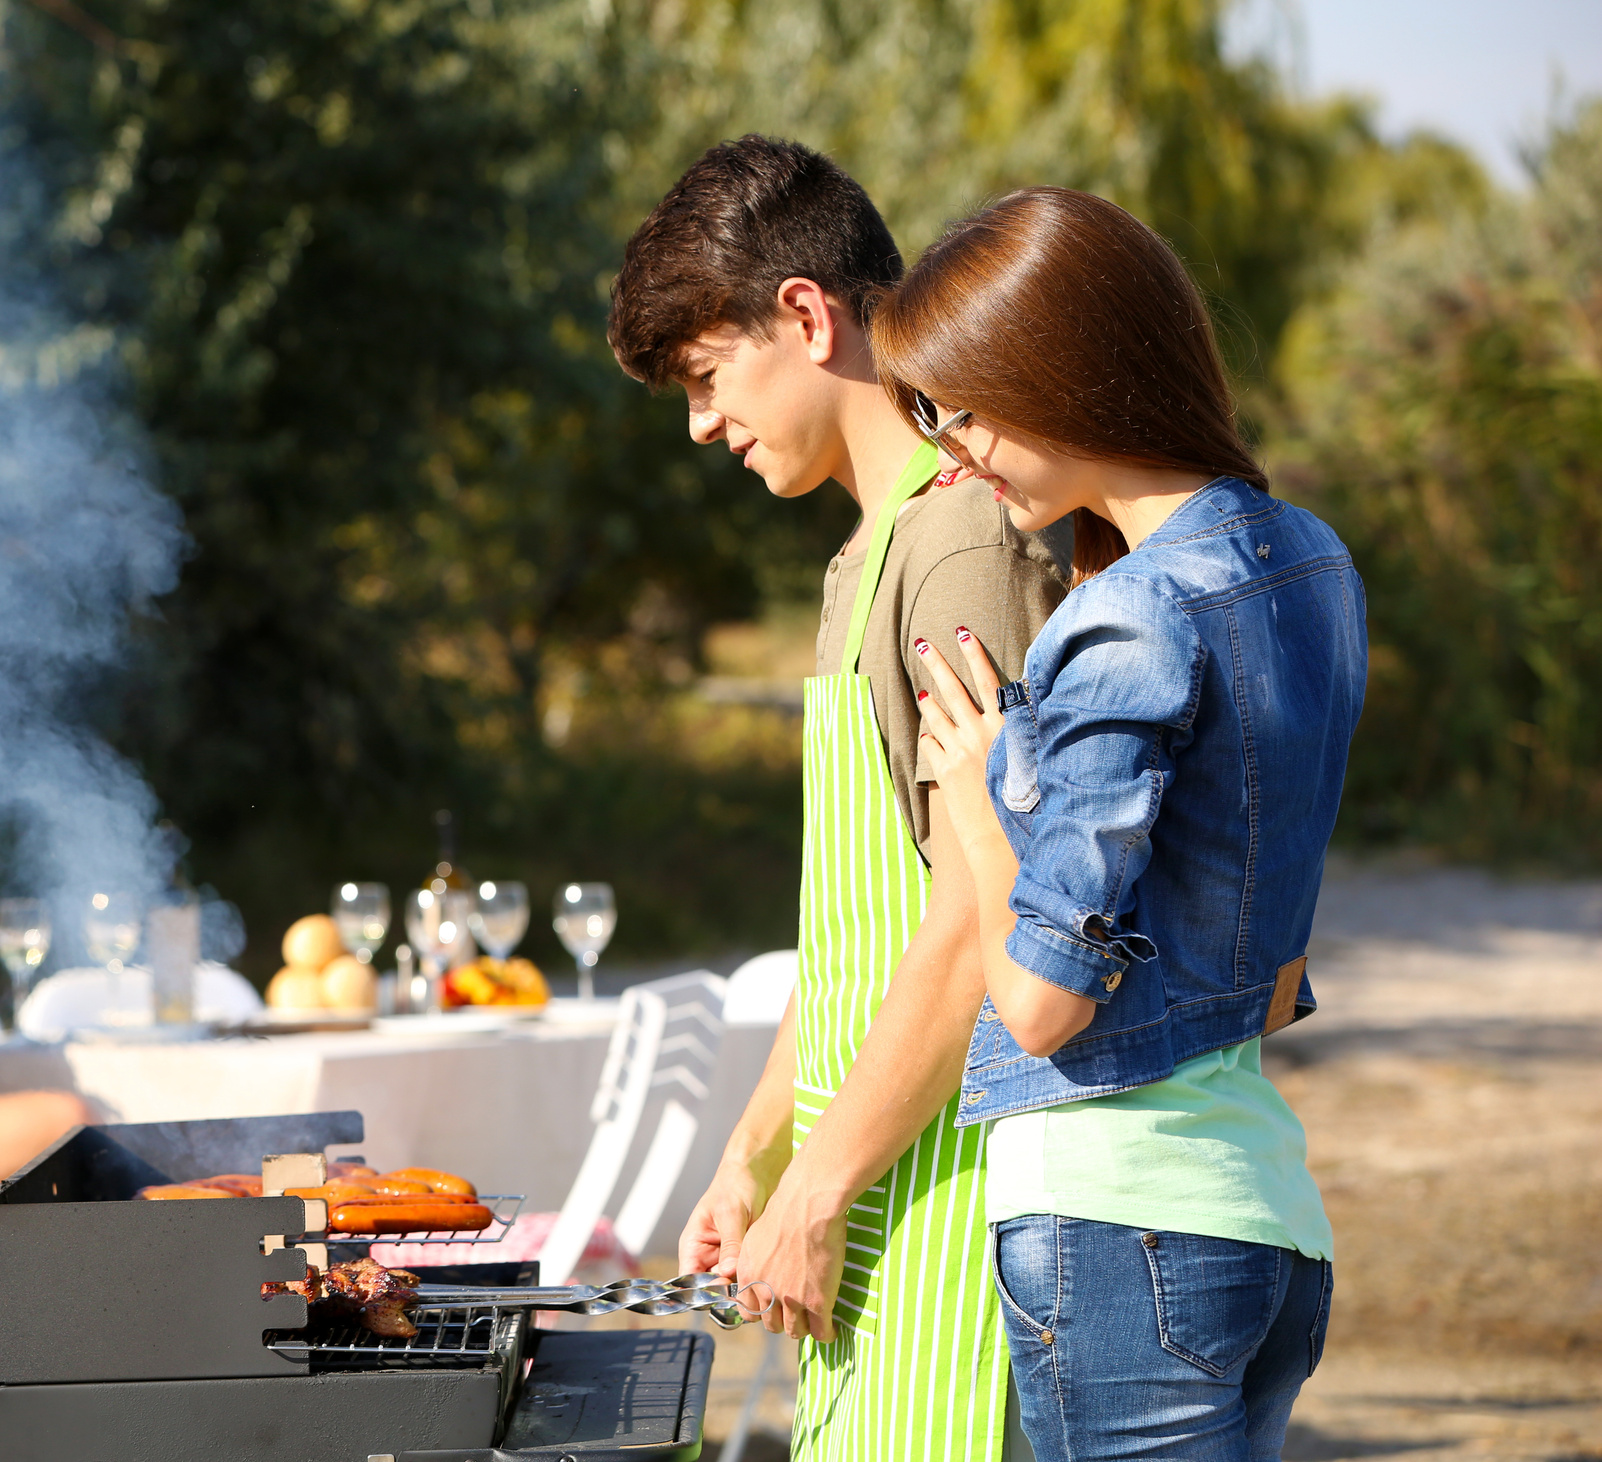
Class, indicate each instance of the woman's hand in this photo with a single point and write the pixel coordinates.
(957, 746)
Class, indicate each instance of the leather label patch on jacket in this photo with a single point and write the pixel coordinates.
(1282, 1008)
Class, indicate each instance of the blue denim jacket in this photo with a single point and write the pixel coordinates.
(1168, 777)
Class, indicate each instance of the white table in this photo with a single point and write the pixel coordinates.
(510, 1109)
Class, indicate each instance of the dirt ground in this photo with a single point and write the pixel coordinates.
(1451, 1086)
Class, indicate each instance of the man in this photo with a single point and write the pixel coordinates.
(845, 1186)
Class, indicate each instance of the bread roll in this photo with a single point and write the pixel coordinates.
(348, 984)
(313, 942)
(295, 988)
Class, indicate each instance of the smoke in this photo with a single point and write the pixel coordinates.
(86, 542)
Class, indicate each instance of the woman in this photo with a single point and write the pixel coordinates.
(1145, 816)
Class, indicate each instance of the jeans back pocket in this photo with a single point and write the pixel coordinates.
(1216, 1298)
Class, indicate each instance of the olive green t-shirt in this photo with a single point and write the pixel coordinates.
(954, 558)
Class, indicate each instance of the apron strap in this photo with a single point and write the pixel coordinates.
(914, 476)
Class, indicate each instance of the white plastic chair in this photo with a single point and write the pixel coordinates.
(760, 989)
(666, 1042)
(757, 995)
(92, 998)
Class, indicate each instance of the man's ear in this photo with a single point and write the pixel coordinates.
(803, 303)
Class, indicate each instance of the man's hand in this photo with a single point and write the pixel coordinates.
(797, 1249)
(711, 1241)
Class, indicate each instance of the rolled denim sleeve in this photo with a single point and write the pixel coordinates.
(1115, 681)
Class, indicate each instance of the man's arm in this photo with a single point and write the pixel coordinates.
(754, 1159)
(910, 1063)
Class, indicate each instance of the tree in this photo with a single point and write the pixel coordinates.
(1446, 405)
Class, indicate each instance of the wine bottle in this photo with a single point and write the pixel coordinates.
(451, 885)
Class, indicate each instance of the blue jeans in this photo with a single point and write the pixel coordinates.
(1178, 1347)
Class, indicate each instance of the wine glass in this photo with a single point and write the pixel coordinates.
(24, 943)
(436, 924)
(112, 929)
(500, 918)
(361, 913)
(585, 916)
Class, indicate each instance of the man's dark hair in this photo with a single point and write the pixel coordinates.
(747, 216)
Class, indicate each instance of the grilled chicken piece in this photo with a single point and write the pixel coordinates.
(361, 1290)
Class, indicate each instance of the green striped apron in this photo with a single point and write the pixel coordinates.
(918, 1369)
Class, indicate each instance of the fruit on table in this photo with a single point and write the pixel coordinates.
(488, 981)
(295, 987)
(313, 942)
(348, 984)
(318, 974)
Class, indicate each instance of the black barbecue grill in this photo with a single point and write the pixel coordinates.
(136, 1331)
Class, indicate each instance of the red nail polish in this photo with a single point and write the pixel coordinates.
(923, 695)
(921, 646)
(963, 633)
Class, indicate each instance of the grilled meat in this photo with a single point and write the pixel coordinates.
(361, 1290)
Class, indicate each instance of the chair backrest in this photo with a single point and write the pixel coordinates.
(665, 1046)
(78, 999)
(760, 989)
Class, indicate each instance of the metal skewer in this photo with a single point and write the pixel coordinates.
(709, 1292)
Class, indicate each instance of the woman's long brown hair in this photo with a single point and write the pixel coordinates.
(1058, 315)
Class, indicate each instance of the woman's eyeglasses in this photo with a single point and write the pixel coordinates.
(940, 432)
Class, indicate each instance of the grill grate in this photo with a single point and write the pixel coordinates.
(472, 1335)
(505, 1207)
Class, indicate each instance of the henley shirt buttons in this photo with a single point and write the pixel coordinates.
(1113, 981)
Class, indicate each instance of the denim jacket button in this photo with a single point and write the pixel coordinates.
(1149, 1240)
(1113, 981)
(1046, 1337)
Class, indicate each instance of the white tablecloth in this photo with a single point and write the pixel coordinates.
(509, 1110)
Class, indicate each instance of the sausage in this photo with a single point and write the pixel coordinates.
(181, 1190)
(437, 1181)
(333, 1191)
(241, 1185)
(399, 1186)
(426, 1215)
(394, 1198)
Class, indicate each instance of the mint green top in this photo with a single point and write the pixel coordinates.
(1213, 1149)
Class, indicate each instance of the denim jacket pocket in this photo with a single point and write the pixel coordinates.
(1215, 1297)
(1020, 788)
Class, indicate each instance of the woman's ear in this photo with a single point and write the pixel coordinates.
(804, 306)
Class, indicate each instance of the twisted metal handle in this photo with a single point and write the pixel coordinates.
(681, 1295)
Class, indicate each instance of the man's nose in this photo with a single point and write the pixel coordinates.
(705, 427)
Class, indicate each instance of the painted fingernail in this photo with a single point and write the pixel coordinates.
(923, 695)
(921, 646)
(963, 633)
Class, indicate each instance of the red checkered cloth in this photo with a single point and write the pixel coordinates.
(522, 1241)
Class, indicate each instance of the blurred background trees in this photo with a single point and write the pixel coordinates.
(354, 256)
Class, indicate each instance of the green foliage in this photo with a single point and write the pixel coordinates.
(1447, 418)
(355, 253)
(937, 104)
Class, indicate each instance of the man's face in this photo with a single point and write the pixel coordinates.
(770, 400)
